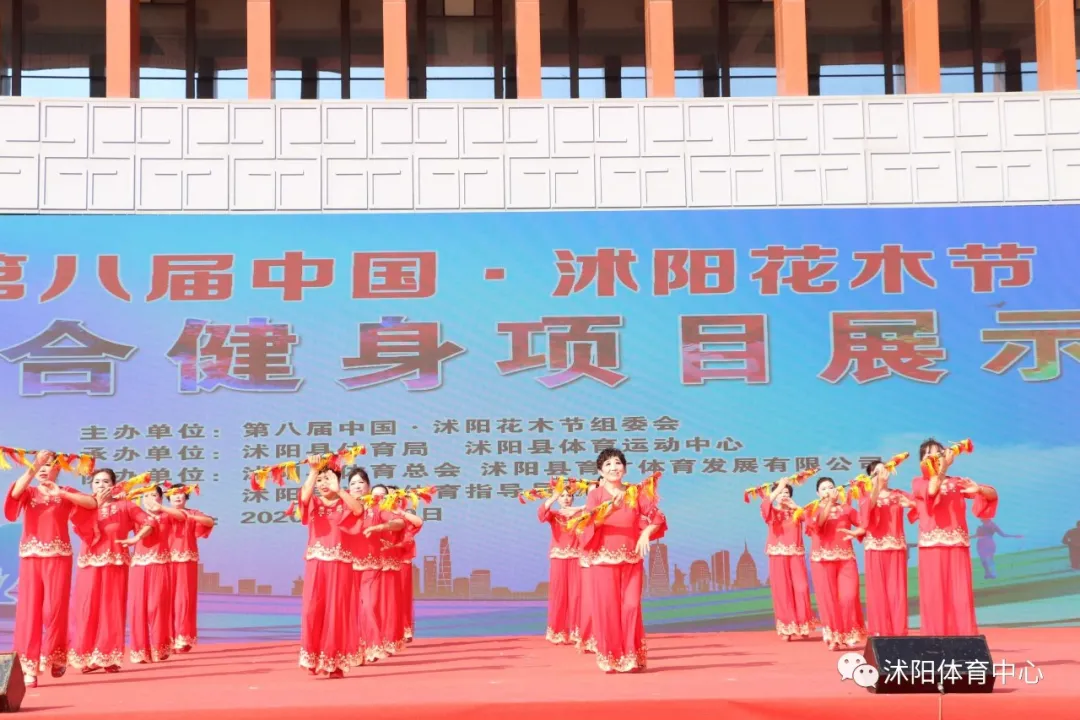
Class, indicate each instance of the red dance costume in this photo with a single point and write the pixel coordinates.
(367, 565)
(787, 572)
(946, 596)
(41, 610)
(408, 555)
(388, 589)
(616, 580)
(150, 597)
(836, 576)
(184, 572)
(329, 641)
(564, 580)
(585, 640)
(886, 562)
(101, 584)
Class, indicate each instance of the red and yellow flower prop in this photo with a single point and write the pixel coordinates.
(857, 488)
(290, 470)
(931, 466)
(186, 490)
(558, 485)
(762, 491)
(600, 513)
(132, 487)
(70, 462)
(407, 498)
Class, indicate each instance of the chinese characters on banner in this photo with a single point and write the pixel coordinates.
(256, 355)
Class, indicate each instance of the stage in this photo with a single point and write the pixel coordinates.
(732, 675)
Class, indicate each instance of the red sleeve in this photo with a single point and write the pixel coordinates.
(84, 523)
(588, 534)
(140, 518)
(913, 512)
(766, 510)
(983, 507)
(410, 532)
(545, 514)
(201, 531)
(13, 507)
(919, 488)
(865, 513)
(347, 522)
(305, 509)
(652, 515)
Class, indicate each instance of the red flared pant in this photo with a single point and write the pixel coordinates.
(836, 586)
(375, 645)
(328, 637)
(41, 614)
(564, 599)
(790, 595)
(585, 641)
(388, 608)
(617, 622)
(99, 611)
(150, 607)
(886, 592)
(407, 600)
(946, 596)
(185, 614)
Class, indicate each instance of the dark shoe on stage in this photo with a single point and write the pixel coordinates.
(58, 672)
(112, 669)
(336, 675)
(90, 669)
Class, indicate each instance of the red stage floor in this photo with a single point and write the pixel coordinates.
(735, 676)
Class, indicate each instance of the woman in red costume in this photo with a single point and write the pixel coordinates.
(585, 641)
(787, 564)
(389, 534)
(150, 591)
(833, 566)
(329, 641)
(184, 567)
(564, 577)
(615, 551)
(101, 582)
(946, 597)
(407, 547)
(361, 529)
(881, 528)
(41, 610)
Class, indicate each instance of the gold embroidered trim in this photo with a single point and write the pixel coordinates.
(184, 556)
(391, 565)
(604, 556)
(45, 663)
(559, 638)
(368, 562)
(36, 548)
(156, 654)
(95, 659)
(793, 629)
(559, 553)
(408, 633)
(624, 663)
(829, 554)
(852, 638)
(586, 645)
(184, 642)
(323, 663)
(944, 538)
(785, 550)
(337, 553)
(108, 558)
(888, 542)
(157, 557)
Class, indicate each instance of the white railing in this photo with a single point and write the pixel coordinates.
(62, 156)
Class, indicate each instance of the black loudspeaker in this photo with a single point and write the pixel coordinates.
(910, 665)
(12, 686)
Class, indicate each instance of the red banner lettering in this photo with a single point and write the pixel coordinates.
(577, 348)
(1047, 333)
(704, 272)
(394, 275)
(605, 269)
(876, 345)
(394, 349)
(893, 264)
(292, 281)
(724, 347)
(984, 261)
(191, 277)
(807, 266)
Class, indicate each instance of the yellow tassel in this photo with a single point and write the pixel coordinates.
(290, 470)
(4, 464)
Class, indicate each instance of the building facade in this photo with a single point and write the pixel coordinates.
(531, 49)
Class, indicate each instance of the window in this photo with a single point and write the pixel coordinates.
(63, 49)
(854, 48)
